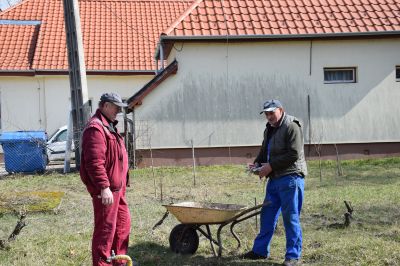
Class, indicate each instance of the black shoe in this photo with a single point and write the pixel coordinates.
(253, 256)
(291, 262)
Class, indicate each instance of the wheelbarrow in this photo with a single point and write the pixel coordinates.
(184, 239)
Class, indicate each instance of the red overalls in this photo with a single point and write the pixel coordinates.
(104, 163)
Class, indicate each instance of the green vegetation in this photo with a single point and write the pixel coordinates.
(30, 201)
(63, 237)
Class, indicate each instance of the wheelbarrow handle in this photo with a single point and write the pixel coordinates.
(247, 211)
(234, 220)
(161, 221)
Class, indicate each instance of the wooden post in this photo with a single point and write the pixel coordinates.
(309, 123)
(255, 204)
(194, 164)
(152, 171)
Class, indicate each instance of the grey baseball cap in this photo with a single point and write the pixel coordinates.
(271, 105)
(113, 98)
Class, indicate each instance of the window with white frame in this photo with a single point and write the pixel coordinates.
(339, 75)
(397, 73)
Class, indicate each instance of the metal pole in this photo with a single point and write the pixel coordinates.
(67, 157)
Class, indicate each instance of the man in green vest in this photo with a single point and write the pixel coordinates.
(281, 160)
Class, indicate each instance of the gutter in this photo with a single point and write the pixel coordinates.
(120, 72)
(281, 36)
(165, 38)
(17, 73)
(65, 72)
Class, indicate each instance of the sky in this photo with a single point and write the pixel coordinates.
(4, 3)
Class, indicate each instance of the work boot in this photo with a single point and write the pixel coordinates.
(251, 255)
(291, 262)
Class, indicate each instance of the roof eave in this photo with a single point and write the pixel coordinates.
(280, 36)
(65, 72)
(121, 72)
(170, 39)
(138, 97)
(17, 73)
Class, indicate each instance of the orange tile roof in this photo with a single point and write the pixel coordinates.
(286, 17)
(16, 52)
(118, 35)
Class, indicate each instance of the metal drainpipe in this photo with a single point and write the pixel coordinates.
(44, 103)
(161, 56)
(133, 128)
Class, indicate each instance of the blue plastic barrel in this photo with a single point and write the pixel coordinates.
(24, 151)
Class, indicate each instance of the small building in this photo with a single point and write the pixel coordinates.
(119, 38)
(333, 64)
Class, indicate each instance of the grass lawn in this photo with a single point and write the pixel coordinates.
(62, 237)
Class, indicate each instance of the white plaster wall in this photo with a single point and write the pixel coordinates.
(216, 96)
(366, 111)
(43, 102)
(21, 105)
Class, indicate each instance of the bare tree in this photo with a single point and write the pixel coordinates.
(317, 140)
(338, 162)
(4, 244)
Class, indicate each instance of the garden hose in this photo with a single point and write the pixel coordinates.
(120, 257)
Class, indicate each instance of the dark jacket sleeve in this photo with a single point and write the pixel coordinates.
(294, 140)
(260, 157)
(94, 149)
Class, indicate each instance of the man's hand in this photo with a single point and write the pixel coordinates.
(107, 196)
(265, 170)
(251, 166)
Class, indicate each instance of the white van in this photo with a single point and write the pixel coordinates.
(58, 141)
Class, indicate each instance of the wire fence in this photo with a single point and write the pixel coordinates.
(36, 151)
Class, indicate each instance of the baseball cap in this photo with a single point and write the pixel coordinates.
(271, 105)
(113, 98)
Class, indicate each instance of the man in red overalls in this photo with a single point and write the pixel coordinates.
(104, 171)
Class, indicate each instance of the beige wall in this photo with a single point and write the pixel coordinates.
(216, 96)
(43, 102)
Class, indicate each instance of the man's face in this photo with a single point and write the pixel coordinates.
(274, 116)
(111, 110)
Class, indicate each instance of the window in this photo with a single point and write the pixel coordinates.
(397, 73)
(340, 75)
(62, 136)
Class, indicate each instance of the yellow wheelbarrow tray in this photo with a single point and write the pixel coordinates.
(184, 239)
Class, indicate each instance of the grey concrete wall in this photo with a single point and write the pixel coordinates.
(216, 96)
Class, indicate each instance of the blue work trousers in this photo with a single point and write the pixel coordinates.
(286, 195)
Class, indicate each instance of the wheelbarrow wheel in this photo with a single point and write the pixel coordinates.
(183, 239)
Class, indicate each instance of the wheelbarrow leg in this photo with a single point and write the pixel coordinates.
(235, 236)
(211, 240)
(238, 221)
(219, 239)
(206, 235)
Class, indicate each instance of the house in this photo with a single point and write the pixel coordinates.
(119, 37)
(335, 64)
